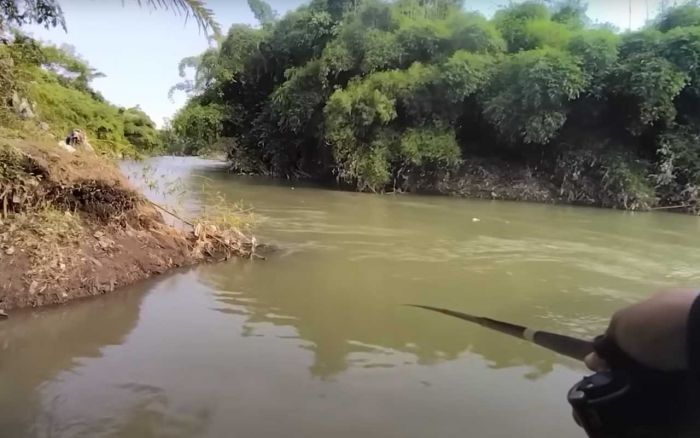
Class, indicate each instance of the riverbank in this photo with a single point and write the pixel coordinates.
(572, 181)
(71, 226)
(486, 180)
(575, 179)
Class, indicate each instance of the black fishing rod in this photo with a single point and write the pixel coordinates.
(565, 345)
(628, 401)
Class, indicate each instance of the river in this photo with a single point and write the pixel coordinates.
(316, 342)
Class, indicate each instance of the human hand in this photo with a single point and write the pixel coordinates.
(653, 332)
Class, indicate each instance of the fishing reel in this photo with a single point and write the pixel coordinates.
(629, 401)
(633, 400)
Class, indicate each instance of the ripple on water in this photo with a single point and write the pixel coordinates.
(292, 329)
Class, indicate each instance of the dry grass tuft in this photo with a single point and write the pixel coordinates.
(51, 240)
(220, 231)
(222, 228)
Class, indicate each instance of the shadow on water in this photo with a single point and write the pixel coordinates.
(64, 371)
(349, 332)
(37, 345)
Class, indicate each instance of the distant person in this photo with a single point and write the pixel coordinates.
(72, 139)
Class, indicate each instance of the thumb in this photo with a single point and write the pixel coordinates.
(596, 363)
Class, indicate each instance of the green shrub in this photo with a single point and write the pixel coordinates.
(605, 176)
(677, 175)
(681, 46)
(680, 16)
(530, 94)
(199, 126)
(597, 51)
(648, 84)
(513, 20)
(57, 82)
(374, 92)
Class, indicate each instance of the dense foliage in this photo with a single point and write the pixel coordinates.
(376, 93)
(47, 13)
(57, 82)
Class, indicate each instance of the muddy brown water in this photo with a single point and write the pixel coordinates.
(315, 342)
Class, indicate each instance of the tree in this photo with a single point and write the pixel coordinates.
(200, 124)
(263, 12)
(648, 86)
(681, 46)
(49, 13)
(58, 82)
(474, 33)
(67, 64)
(530, 94)
(598, 51)
(381, 94)
(680, 16)
(336, 8)
(512, 23)
(571, 13)
(140, 131)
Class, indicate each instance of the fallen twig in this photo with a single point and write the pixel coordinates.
(171, 213)
(671, 207)
(203, 232)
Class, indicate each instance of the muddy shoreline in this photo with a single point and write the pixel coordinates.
(71, 226)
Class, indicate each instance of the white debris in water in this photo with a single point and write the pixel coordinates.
(476, 219)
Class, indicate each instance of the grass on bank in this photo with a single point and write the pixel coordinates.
(51, 240)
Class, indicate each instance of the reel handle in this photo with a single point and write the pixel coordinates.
(630, 400)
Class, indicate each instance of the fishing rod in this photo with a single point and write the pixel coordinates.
(565, 345)
(628, 401)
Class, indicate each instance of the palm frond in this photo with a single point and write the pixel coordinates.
(186, 87)
(188, 62)
(196, 9)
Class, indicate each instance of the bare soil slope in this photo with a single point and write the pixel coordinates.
(72, 227)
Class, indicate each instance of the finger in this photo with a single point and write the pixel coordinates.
(577, 418)
(596, 363)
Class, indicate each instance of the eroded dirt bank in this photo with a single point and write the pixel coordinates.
(71, 226)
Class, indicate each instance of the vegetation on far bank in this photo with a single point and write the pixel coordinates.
(380, 94)
(55, 83)
(52, 84)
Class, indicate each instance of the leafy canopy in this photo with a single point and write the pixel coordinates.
(58, 81)
(377, 93)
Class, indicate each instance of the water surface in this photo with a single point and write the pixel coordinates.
(315, 342)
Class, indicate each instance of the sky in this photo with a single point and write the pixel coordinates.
(138, 48)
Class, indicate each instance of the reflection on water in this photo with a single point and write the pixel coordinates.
(316, 341)
(38, 346)
(343, 331)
